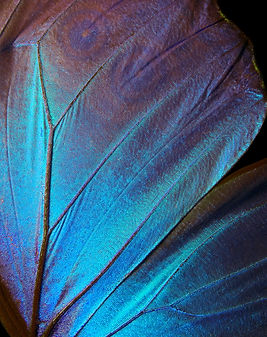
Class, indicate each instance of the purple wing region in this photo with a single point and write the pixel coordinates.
(117, 118)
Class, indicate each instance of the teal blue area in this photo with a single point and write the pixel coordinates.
(219, 261)
(238, 321)
(209, 267)
(23, 162)
(143, 169)
(146, 117)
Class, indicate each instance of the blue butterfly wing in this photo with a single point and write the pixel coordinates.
(206, 278)
(116, 119)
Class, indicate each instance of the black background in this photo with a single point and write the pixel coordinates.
(250, 17)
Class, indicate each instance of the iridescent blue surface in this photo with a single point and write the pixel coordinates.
(116, 119)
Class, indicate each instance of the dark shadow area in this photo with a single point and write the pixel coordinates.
(3, 332)
(250, 17)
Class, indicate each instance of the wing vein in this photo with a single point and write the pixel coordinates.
(116, 256)
(57, 18)
(106, 61)
(196, 316)
(228, 276)
(114, 148)
(48, 115)
(216, 232)
(10, 17)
